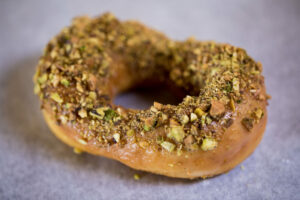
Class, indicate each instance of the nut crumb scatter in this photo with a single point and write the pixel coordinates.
(74, 76)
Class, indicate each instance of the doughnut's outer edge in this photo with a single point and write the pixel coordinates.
(236, 145)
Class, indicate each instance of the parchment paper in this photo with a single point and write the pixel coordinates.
(36, 165)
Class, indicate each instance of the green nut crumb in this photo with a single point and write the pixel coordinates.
(130, 133)
(146, 128)
(235, 84)
(209, 144)
(193, 117)
(177, 133)
(116, 136)
(136, 177)
(93, 95)
(184, 119)
(37, 89)
(109, 114)
(82, 113)
(65, 82)
(199, 112)
(55, 96)
(42, 79)
(168, 146)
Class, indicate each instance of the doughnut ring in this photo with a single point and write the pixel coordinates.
(217, 125)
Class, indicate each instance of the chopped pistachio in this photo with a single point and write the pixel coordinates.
(82, 113)
(159, 139)
(258, 113)
(199, 112)
(130, 133)
(82, 48)
(193, 117)
(235, 84)
(157, 105)
(55, 80)
(116, 136)
(68, 105)
(168, 146)
(232, 106)
(153, 109)
(37, 89)
(63, 119)
(136, 177)
(164, 117)
(214, 71)
(55, 96)
(173, 122)
(42, 79)
(228, 87)
(184, 119)
(93, 95)
(209, 144)
(188, 99)
(82, 141)
(203, 117)
(97, 115)
(177, 133)
(248, 123)
(77, 150)
(65, 82)
(144, 144)
(109, 114)
(208, 120)
(179, 152)
(193, 147)
(189, 140)
(147, 128)
(217, 108)
(79, 87)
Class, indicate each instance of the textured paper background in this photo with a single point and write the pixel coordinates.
(35, 165)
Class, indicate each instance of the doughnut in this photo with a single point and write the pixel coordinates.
(218, 124)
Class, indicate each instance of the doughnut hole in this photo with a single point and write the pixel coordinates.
(144, 95)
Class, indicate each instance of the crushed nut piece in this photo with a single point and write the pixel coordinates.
(168, 146)
(82, 113)
(248, 123)
(55, 96)
(209, 144)
(216, 109)
(177, 133)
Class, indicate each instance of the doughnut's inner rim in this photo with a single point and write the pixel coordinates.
(148, 92)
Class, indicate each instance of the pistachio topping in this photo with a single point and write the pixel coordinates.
(199, 112)
(208, 144)
(235, 84)
(130, 133)
(217, 108)
(75, 77)
(82, 113)
(193, 117)
(65, 82)
(55, 96)
(184, 119)
(258, 113)
(168, 146)
(177, 133)
(117, 136)
(248, 123)
(136, 177)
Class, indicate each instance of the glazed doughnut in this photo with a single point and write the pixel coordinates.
(218, 124)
